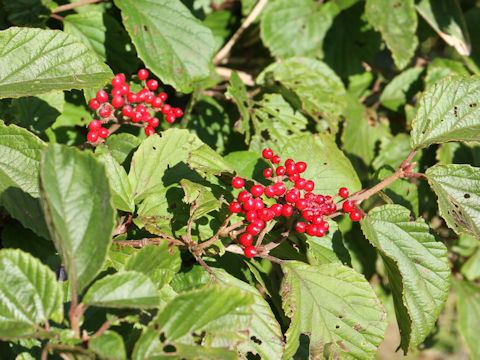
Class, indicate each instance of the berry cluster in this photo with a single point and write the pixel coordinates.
(130, 107)
(309, 209)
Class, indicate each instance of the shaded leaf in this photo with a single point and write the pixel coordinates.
(207, 161)
(468, 305)
(395, 93)
(108, 345)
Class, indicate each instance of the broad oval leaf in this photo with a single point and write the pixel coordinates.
(448, 111)
(417, 268)
(458, 191)
(395, 93)
(77, 205)
(29, 294)
(468, 305)
(296, 28)
(337, 308)
(126, 289)
(397, 21)
(169, 39)
(36, 61)
(108, 345)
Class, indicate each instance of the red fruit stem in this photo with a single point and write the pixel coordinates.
(73, 5)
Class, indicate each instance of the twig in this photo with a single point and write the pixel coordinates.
(225, 50)
(188, 109)
(74, 5)
(225, 73)
(261, 236)
(215, 237)
(238, 250)
(148, 241)
(58, 17)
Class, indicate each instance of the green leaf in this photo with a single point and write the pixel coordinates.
(397, 21)
(20, 152)
(166, 30)
(29, 294)
(395, 93)
(446, 18)
(468, 305)
(346, 323)
(122, 194)
(393, 150)
(105, 36)
(118, 255)
(50, 60)
(449, 111)
(237, 91)
(31, 13)
(207, 161)
(247, 164)
(471, 268)
(202, 196)
(122, 145)
(77, 205)
(296, 28)
(417, 268)
(458, 191)
(324, 163)
(160, 263)
(327, 249)
(157, 154)
(126, 289)
(440, 68)
(320, 90)
(108, 345)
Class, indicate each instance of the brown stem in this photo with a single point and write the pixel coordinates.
(74, 5)
(105, 326)
(261, 236)
(58, 17)
(238, 250)
(149, 241)
(214, 238)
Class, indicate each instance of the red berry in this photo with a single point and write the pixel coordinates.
(276, 159)
(132, 97)
(95, 125)
(117, 101)
(287, 210)
(157, 102)
(301, 226)
(251, 215)
(103, 133)
(154, 122)
(149, 98)
(178, 112)
(317, 220)
(300, 183)
(137, 116)
(92, 136)
(309, 185)
(301, 204)
(311, 230)
(142, 74)
(124, 89)
(355, 215)
(290, 169)
(121, 76)
(277, 209)
(343, 192)
(324, 225)
(246, 239)
(104, 112)
(249, 204)
(117, 81)
(94, 104)
(307, 215)
(163, 96)
(267, 153)
(289, 162)
(250, 251)
(244, 195)
(257, 190)
(141, 95)
(301, 166)
(265, 214)
(141, 108)
(279, 188)
(259, 204)
(146, 116)
(253, 230)
(321, 231)
(320, 199)
(291, 196)
(102, 96)
(235, 207)
(170, 118)
(294, 177)
(280, 170)
(267, 173)
(127, 111)
(258, 223)
(116, 92)
(149, 130)
(166, 109)
(270, 191)
(348, 206)
(238, 182)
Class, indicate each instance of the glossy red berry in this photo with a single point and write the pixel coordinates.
(149, 130)
(121, 76)
(259, 223)
(259, 204)
(355, 215)
(311, 230)
(348, 206)
(102, 96)
(238, 182)
(124, 89)
(132, 97)
(300, 184)
(116, 92)
(257, 190)
(276, 159)
(300, 227)
(235, 207)
(157, 102)
(249, 204)
(146, 116)
(250, 251)
(104, 112)
(253, 230)
(103, 133)
(94, 104)
(154, 122)
(277, 209)
(246, 239)
(267, 173)
(279, 188)
(280, 170)
(309, 185)
(163, 96)
(291, 196)
(343, 192)
(137, 116)
(92, 136)
(149, 98)
(142, 74)
(95, 125)
(127, 111)
(117, 81)
(301, 204)
(270, 191)
(267, 153)
(178, 112)
(320, 199)
(301, 166)
(152, 84)
(290, 169)
(170, 118)
(294, 177)
(166, 109)
(244, 195)
(287, 210)
(251, 215)
(117, 101)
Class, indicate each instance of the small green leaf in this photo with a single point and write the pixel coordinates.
(446, 18)
(126, 289)
(346, 323)
(77, 205)
(200, 195)
(31, 13)
(296, 28)
(417, 268)
(449, 111)
(108, 345)
(471, 268)
(238, 92)
(458, 191)
(440, 68)
(122, 145)
(468, 305)
(247, 164)
(395, 93)
(166, 30)
(397, 21)
(327, 249)
(207, 161)
(29, 294)
(50, 60)
(160, 263)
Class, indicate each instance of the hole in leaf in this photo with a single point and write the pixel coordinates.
(466, 196)
(162, 336)
(337, 326)
(169, 349)
(325, 163)
(455, 111)
(398, 4)
(156, 327)
(145, 27)
(154, 148)
(472, 105)
(256, 340)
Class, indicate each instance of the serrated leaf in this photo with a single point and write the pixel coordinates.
(207, 161)
(118, 255)
(29, 294)
(397, 21)
(458, 191)
(327, 166)
(468, 305)
(155, 156)
(36, 61)
(166, 30)
(238, 92)
(103, 34)
(395, 93)
(346, 323)
(417, 268)
(247, 164)
(327, 249)
(202, 196)
(108, 345)
(160, 263)
(440, 68)
(446, 18)
(449, 111)
(126, 289)
(296, 28)
(77, 204)
(121, 146)
(122, 194)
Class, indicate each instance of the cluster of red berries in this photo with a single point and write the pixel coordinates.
(130, 107)
(298, 200)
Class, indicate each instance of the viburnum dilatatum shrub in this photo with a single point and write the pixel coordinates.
(308, 189)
